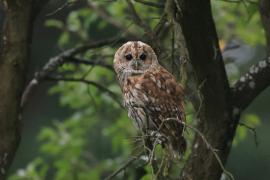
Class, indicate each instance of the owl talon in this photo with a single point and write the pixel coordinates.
(158, 138)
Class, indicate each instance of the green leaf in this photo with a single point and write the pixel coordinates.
(54, 23)
(251, 120)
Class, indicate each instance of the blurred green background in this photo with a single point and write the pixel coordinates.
(74, 131)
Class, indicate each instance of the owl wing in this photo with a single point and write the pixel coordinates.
(163, 100)
(155, 102)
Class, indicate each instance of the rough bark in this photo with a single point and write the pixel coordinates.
(220, 106)
(251, 84)
(215, 119)
(264, 7)
(195, 35)
(13, 63)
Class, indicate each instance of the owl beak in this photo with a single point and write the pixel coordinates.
(136, 64)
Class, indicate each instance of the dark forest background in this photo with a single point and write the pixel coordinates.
(75, 131)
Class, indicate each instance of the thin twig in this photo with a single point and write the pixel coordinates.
(93, 83)
(38, 6)
(76, 60)
(158, 173)
(60, 59)
(209, 146)
(253, 130)
(137, 19)
(66, 4)
(152, 161)
(161, 27)
(92, 97)
(123, 167)
(102, 12)
(152, 4)
(241, 1)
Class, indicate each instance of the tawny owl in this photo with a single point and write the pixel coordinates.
(152, 96)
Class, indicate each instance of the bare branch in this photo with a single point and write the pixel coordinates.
(88, 82)
(211, 148)
(76, 60)
(109, 18)
(64, 5)
(153, 4)
(253, 130)
(97, 44)
(264, 6)
(245, 2)
(59, 60)
(38, 6)
(250, 85)
(123, 167)
(161, 27)
(137, 19)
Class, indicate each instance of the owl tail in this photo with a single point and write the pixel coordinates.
(178, 146)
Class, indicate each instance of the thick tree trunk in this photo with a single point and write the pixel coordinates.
(264, 6)
(13, 63)
(216, 120)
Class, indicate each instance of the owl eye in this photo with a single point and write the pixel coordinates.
(129, 57)
(143, 56)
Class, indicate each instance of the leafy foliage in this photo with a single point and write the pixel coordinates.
(238, 20)
(98, 136)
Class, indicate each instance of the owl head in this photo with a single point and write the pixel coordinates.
(133, 59)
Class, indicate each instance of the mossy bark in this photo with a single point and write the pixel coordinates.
(198, 42)
(16, 38)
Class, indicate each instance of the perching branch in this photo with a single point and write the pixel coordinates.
(59, 60)
(250, 85)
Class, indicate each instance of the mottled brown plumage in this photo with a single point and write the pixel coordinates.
(152, 96)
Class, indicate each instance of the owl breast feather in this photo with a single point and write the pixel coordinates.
(152, 98)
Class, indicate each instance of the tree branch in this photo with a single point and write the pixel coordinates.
(162, 27)
(264, 7)
(60, 59)
(152, 4)
(76, 60)
(14, 60)
(38, 6)
(253, 130)
(108, 18)
(194, 20)
(250, 85)
(88, 82)
(123, 167)
(137, 19)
